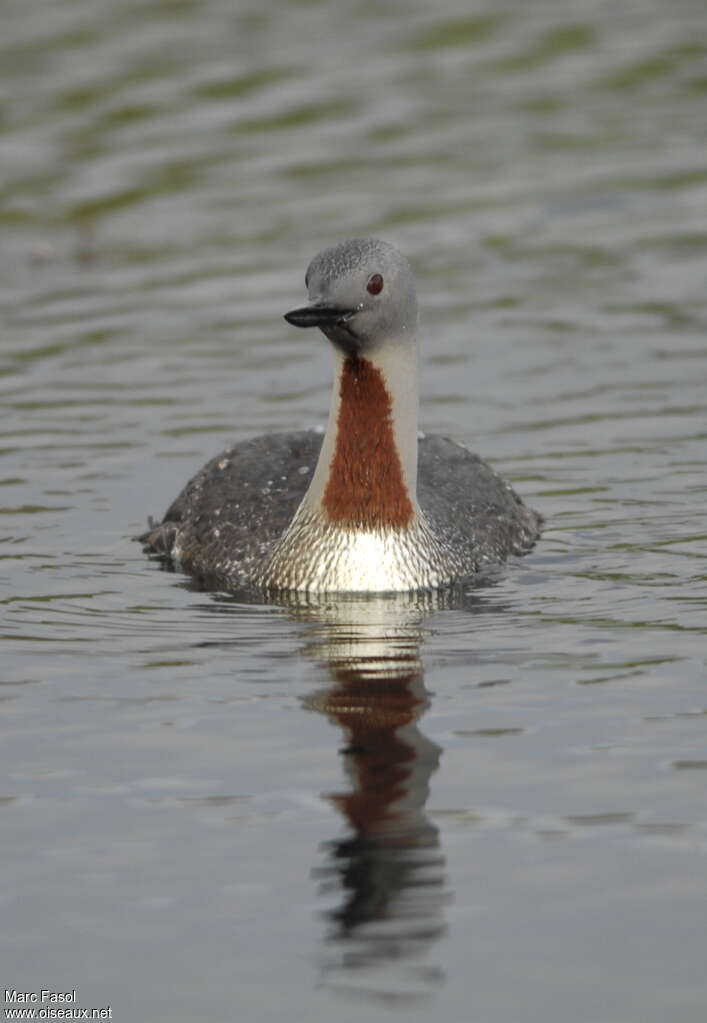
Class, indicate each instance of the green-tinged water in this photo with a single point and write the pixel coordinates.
(479, 813)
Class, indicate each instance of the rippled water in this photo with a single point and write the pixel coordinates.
(485, 812)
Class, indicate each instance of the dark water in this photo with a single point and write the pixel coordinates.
(490, 812)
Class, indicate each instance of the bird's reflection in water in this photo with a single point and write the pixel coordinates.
(387, 874)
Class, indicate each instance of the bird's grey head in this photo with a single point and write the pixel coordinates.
(361, 294)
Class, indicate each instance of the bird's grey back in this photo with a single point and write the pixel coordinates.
(228, 516)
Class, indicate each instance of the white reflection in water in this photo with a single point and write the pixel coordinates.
(386, 876)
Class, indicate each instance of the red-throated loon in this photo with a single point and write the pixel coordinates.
(371, 507)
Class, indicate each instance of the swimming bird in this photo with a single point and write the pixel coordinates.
(371, 506)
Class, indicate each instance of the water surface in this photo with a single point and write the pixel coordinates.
(489, 810)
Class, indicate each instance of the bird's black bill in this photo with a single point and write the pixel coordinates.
(318, 316)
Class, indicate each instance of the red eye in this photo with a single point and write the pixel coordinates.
(375, 284)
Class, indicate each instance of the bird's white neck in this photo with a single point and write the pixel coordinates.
(366, 476)
(359, 527)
